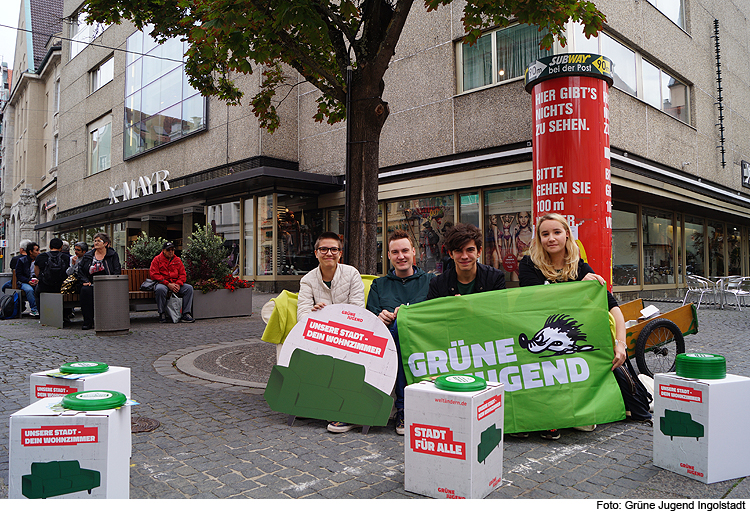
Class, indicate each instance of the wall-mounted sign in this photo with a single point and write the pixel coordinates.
(745, 174)
(142, 186)
(153, 217)
(50, 204)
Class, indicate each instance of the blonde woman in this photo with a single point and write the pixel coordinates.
(554, 257)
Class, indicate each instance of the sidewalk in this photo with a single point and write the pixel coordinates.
(218, 438)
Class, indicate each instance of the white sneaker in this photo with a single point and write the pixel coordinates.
(587, 428)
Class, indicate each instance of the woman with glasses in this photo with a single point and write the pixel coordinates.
(330, 282)
(101, 260)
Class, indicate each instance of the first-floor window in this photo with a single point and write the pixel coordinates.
(100, 144)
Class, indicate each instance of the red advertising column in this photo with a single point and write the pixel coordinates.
(570, 102)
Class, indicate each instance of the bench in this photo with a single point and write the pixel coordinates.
(53, 304)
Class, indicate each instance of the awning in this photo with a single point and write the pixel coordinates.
(261, 180)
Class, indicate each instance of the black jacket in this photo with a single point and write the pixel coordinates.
(111, 265)
(530, 274)
(488, 279)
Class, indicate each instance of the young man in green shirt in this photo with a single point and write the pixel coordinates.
(403, 285)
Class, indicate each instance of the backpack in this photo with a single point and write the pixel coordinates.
(54, 272)
(634, 394)
(10, 306)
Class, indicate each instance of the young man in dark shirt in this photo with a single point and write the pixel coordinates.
(467, 276)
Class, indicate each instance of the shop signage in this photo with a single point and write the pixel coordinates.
(572, 176)
(745, 176)
(141, 186)
(3, 243)
(50, 204)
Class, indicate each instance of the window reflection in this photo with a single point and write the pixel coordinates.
(426, 221)
(507, 228)
(658, 247)
(625, 244)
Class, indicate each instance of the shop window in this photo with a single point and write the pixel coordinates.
(100, 144)
(499, 56)
(102, 74)
(249, 214)
(658, 247)
(638, 77)
(82, 34)
(160, 105)
(90, 233)
(734, 250)
(336, 221)
(672, 9)
(624, 244)
(468, 211)
(694, 246)
(716, 249)
(425, 220)
(508, 230)
(265, 235)
(224, 220)
(300, 222)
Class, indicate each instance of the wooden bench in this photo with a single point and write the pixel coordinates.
(54, 304)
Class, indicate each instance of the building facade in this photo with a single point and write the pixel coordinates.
(30, 125)
(140, 150)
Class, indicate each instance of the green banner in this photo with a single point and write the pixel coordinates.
(550, 345)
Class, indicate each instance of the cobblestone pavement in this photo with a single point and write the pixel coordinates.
(219, 439)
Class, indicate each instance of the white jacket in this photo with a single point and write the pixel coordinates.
(346, 288)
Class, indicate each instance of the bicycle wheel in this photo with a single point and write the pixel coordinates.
(657, 346)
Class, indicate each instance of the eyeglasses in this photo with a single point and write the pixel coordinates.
(332, 250)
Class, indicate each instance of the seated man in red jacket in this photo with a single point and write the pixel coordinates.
(169, 273)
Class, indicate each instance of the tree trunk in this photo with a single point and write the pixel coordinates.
(368, 115)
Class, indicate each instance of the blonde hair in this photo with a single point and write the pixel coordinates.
(541, 258)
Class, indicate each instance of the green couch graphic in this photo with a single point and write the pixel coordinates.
(680, 424)
(488, 440)
(56, 478)
(322, 387)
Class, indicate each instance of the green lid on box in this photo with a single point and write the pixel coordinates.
(701, 366)
(94, 400)
(460, 383)
(84, 367)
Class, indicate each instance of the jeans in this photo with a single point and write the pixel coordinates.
(161, 292)
(400, 375)
(29, 292)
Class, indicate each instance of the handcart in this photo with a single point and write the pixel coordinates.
(656, 341)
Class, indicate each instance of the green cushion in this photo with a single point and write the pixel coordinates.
(69, 468)
(49, 470)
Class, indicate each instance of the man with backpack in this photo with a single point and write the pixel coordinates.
(50, 267)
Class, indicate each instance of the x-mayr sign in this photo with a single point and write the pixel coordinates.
(139, 187)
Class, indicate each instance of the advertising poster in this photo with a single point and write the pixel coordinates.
(550, 345)
(572, 173)
(338, 364)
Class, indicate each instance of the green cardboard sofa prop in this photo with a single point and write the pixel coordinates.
(488, 440)
(322, 387)
(680, 424)
(56, 478)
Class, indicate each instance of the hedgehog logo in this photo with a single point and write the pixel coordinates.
(559, 336)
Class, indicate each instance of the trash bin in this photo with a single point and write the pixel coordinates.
(5, 277)
(111, 305)
(454, 437)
